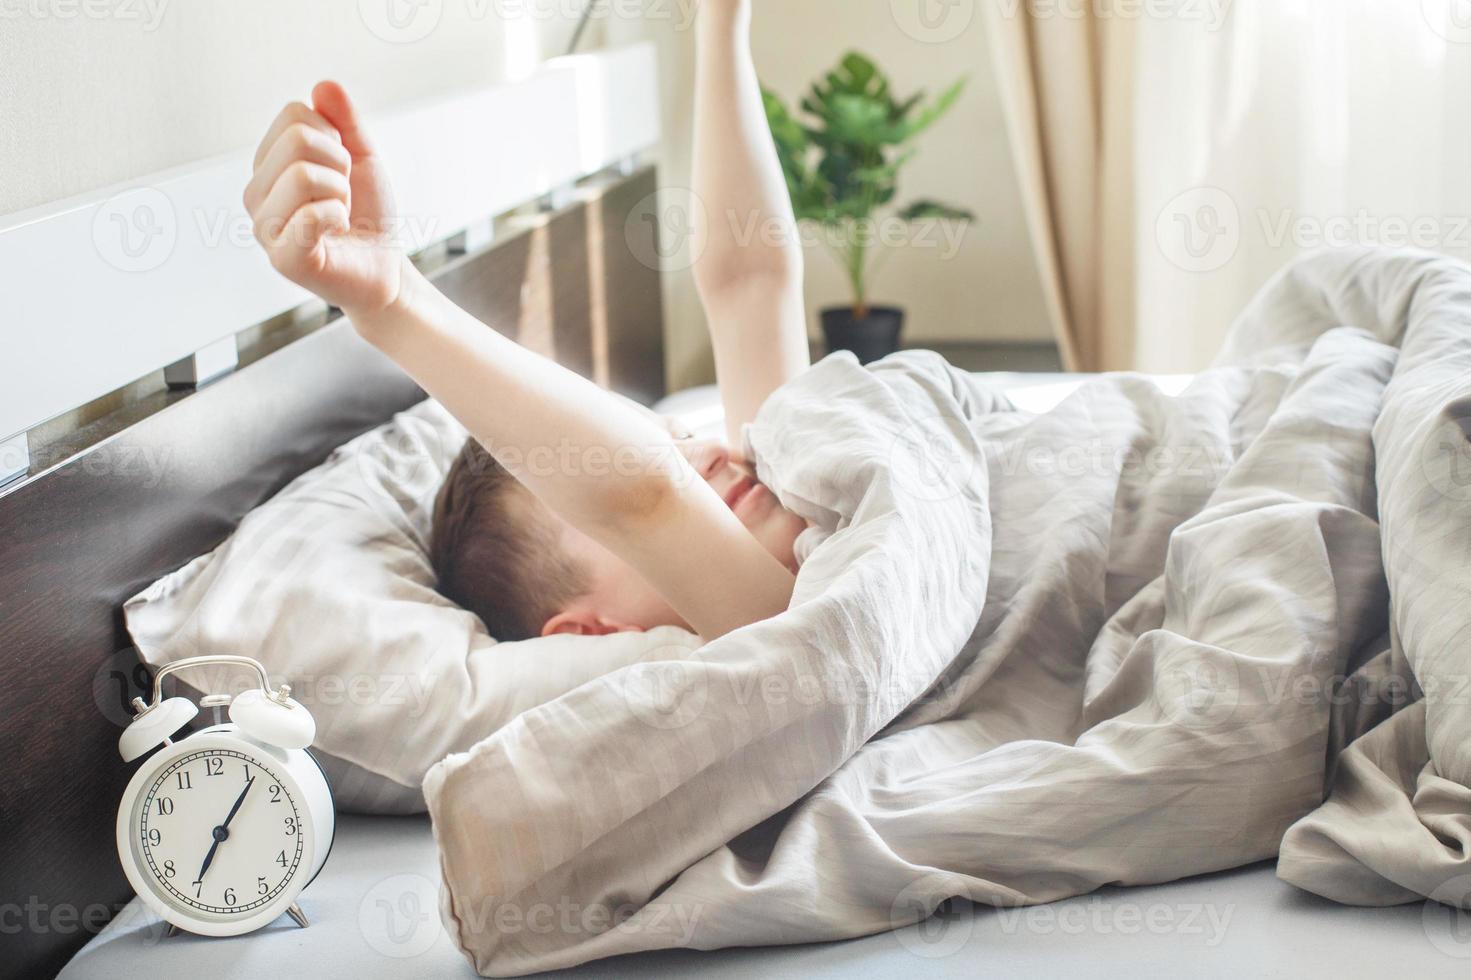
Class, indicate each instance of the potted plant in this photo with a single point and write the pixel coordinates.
(842, 168)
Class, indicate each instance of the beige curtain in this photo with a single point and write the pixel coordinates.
(1175, 155)
(1066, 73)
(1283, 128)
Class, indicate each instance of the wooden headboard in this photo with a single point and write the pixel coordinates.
(145, 489)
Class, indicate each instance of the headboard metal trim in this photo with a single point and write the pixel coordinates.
(15, 459)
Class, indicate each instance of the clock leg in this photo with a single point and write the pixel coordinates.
(172, 931)
(296, 913)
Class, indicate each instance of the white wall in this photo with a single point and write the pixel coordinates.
(100, 91)
(988, 290)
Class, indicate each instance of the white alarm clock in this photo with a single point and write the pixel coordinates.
(220, 831)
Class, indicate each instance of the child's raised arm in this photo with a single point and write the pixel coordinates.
(750, 273)
(322, 205)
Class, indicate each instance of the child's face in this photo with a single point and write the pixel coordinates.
(620, 598)
(757, 507)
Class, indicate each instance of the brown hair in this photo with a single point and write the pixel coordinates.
(495, 550)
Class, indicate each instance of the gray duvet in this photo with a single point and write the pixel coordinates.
(1135, 638)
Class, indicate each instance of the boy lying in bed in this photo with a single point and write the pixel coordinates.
(672, 532)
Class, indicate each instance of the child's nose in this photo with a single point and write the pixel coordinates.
(708, 458)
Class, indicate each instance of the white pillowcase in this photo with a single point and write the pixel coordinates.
(329, 585)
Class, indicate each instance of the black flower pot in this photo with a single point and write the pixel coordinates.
(869, 337)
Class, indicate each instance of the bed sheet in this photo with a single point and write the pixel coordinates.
(374, 917)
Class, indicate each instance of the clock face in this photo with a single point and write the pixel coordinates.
(216, 833)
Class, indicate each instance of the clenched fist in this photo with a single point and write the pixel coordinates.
(322, 208)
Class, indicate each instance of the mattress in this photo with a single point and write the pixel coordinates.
(374, 914)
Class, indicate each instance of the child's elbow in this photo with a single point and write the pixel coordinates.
(733, 279)
(637, 504)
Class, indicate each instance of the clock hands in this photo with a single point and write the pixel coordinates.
(222, 832)
(208, 860)
(238, 800)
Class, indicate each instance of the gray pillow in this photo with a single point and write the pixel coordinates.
(329, 585)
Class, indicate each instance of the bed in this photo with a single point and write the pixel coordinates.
(374, 910)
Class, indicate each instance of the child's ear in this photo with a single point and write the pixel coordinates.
(580, 622)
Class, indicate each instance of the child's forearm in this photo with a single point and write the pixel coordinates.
(750, 226)
(749, 273)
(585, 452)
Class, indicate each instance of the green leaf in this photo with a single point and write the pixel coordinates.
(791, 139)
(926, 208)
(902, 109)
(793, 148)
(930, 114)
(861, 72)
(857, 119)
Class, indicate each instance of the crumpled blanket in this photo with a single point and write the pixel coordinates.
(1135, 638)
